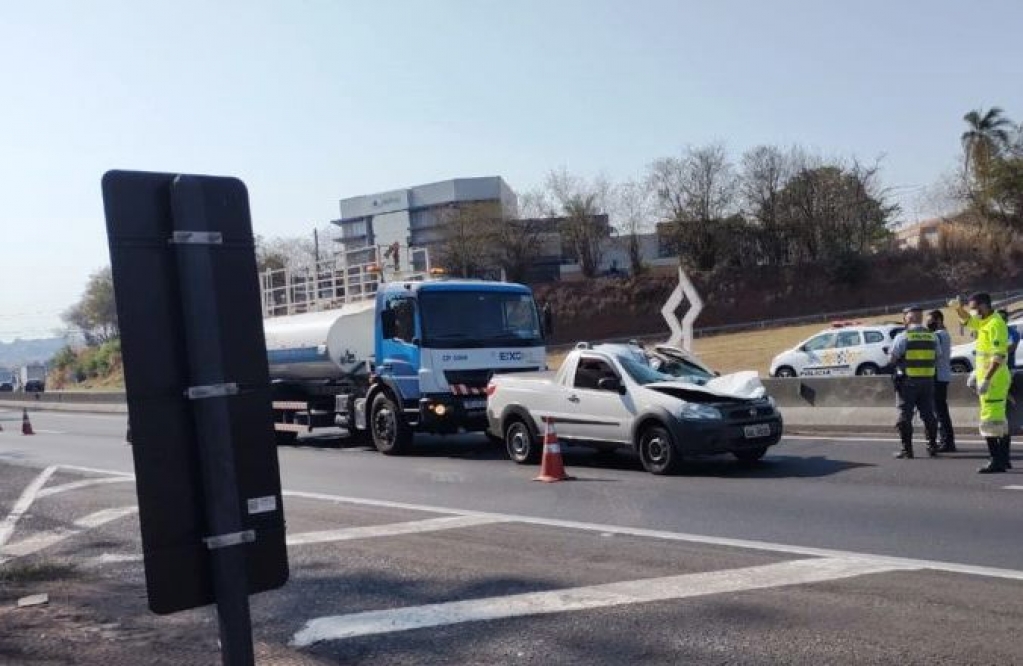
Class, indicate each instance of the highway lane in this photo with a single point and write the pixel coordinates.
(843, 494)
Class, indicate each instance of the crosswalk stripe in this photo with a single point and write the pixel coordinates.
(44, 540)
(793, 572)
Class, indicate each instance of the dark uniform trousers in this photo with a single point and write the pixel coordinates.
(916, 394)
(948, 437)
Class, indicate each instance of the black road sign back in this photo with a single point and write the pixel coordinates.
(198, 389)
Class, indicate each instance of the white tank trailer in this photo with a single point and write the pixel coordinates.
(331, 345)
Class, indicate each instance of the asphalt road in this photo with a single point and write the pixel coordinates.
(828, 552)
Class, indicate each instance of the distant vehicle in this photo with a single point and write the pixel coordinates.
(963, 355)
(839, 351)
(387, 357)
(7, 380)
(609, 397)
(32, 378)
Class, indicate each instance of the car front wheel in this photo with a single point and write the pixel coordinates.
(784, 371)
(657, 451)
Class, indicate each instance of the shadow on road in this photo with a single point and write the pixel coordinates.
(470, 447)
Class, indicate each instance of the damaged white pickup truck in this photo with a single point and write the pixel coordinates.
(610, 396)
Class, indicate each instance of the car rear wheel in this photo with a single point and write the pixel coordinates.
(867, 370)
(522, 447)
(657, 451)
(785, 371)
(750, 455)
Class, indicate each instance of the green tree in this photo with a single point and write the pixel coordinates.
(95, 314)
(986, 136)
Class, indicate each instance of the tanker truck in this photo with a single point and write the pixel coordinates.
(393, 357)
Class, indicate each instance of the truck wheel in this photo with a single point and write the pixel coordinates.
(520, 444)
(657, 451)
(750, 455)
(391, 434)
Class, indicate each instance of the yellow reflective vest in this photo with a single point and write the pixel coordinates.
(921, 357)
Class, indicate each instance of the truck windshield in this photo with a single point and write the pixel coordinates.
(475, 319)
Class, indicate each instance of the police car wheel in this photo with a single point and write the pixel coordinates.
(784, 371)
(867, 370)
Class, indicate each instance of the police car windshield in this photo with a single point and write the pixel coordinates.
(474, 319)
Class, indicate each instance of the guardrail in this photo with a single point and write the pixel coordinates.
(77, 397)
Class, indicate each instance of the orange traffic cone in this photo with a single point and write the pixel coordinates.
(552, 468)
(26, 425)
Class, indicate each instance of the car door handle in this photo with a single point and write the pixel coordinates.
(573, 398)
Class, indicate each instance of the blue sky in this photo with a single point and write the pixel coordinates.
(310, 101)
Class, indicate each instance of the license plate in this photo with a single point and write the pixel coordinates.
(758, 430)
(475, 404)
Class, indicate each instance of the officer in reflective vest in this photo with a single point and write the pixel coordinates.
(915, 355)
(990, 378)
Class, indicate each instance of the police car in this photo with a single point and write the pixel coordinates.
(963, 355)
(842, 350)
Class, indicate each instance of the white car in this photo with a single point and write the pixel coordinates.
(962, 355)
(839, 351)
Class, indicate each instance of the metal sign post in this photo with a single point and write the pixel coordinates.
(198, 394)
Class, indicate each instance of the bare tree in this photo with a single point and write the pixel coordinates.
(765, 172)
(695, 191)
(468, 235)
(582, 202)
(633, 209)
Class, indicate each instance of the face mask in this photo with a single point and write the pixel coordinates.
(974, 313)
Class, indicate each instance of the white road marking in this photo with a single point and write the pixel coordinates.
(1012, 487)
(44, 540)
(767, 546)
(115, 558)
(23, 503)
(75, 485)
(797, 572)
(93, 470)
(859, 438)
(39, 431)
(391, 529)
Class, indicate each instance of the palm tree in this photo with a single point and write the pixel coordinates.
(987, 136)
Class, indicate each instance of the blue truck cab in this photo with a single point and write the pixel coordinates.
(437, 344)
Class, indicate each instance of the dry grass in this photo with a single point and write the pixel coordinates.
(753, 350)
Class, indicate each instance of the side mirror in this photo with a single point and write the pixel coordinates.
(387, 324)
(611, 384)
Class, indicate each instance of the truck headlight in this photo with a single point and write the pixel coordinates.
(696, 411)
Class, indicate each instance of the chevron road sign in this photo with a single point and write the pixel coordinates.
(682, 334)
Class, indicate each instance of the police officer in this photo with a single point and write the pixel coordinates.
(915, 354)
(990, 378)
(936, 323)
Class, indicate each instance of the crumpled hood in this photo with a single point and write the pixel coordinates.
(744, 385)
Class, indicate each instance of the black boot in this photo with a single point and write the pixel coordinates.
(1006, 455)
(906, 435)
(994, 448)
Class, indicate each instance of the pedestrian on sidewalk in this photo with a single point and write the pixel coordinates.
(915, 355)
(942, 378)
